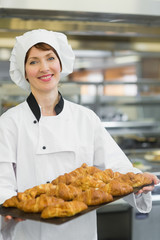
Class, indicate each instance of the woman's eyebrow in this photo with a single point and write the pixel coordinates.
(51, 53)
(32, 58)
(38, 57)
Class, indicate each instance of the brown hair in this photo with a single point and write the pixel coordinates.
(44, 47)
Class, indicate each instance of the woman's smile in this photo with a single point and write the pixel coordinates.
(46, 78)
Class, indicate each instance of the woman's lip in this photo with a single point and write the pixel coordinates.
(46, 77)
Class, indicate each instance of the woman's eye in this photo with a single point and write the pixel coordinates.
(51, 58)
(32, 62)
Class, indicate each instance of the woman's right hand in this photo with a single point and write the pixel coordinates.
(8, 218)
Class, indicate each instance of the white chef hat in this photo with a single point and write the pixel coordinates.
(23, 43)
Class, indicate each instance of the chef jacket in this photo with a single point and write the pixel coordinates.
(36, 149)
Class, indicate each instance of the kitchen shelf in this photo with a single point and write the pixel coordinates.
(116, 82)
(132, 124)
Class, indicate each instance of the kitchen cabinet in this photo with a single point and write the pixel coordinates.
(146, 226)
(114, 221)
(119, 221)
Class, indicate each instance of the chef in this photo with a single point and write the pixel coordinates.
(47, 136)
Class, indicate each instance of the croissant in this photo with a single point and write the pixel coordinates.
(102, 176)
(117, 175)
(69, 178)
(38, 204)
(35, 191)
(11, 202)
(66, 192)
(65, 209)
(79, 171)
(88, 181)
(135, 180)
(90, 169)
(116, 188)
(109, 173)
(94, 197)
(66, 178)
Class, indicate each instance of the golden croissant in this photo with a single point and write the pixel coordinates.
(116, 188)
(135, 180)
(38, 204)
(35, 191)
(88, 181)
(66, 192)
(69, 178)
(65, 209)
(94, 197)
(11, 202)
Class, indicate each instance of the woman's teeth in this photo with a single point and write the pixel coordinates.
(46, 77)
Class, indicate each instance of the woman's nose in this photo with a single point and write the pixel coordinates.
(44, 66)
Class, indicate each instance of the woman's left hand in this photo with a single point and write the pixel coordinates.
(147, 189)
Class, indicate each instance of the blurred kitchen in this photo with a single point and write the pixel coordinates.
(116, 73)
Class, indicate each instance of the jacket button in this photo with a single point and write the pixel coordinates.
(44, 147)
(34, 121)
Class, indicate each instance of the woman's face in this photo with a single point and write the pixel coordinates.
(42, 69)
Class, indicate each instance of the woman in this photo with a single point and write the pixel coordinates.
(47, 136)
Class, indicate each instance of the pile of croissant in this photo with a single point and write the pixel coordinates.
(73, 192)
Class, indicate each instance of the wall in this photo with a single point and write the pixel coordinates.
(147, 7)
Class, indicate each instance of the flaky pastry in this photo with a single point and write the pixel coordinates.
(94, 196)
(88, 181)
(65, 209)
(116, 188)
(38, 204)
(66, 192)
(135, 180)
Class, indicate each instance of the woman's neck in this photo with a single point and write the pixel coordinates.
(47, 103)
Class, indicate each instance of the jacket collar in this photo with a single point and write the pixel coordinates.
(36, 109)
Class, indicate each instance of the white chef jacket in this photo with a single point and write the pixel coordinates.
(36, 149)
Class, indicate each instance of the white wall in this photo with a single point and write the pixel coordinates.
(147, 7)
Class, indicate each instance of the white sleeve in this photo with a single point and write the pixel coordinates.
(8, 143)
(109, 155)
(142, 203)
(7, 181)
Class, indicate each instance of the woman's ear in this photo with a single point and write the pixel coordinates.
(26, 77)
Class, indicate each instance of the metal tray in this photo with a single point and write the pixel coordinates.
(16, 213)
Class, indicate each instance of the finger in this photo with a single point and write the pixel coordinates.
(148, 188)
(8, 218)
(145, 190)
(155, 179)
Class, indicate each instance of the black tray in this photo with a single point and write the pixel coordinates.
(16, 213)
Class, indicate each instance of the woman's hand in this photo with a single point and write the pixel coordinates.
(147, 189)
(8, 218)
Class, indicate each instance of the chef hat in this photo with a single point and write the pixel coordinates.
(23, 43)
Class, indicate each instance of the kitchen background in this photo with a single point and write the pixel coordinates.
(116, 73)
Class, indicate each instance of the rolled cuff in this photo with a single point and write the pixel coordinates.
(143, 203)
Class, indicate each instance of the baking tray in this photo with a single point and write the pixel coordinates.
(16, 213)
